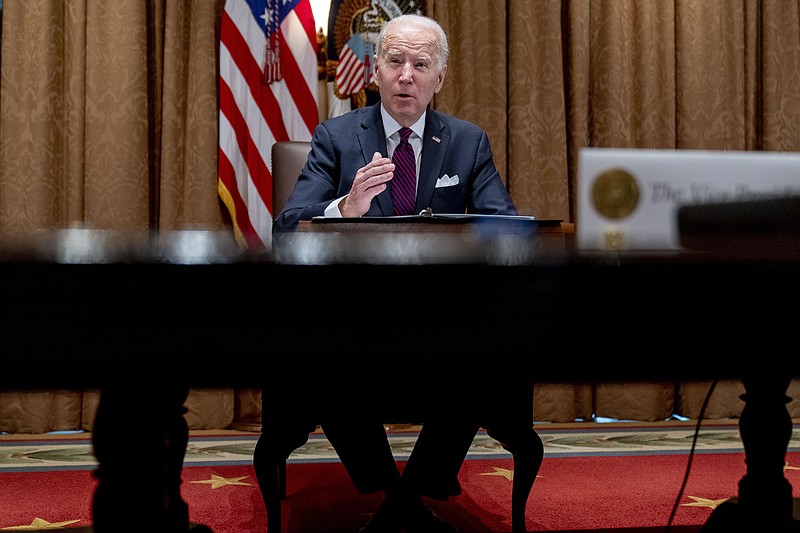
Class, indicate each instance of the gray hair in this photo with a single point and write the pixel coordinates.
(443, 51)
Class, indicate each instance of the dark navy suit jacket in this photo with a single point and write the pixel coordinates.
(342, 145)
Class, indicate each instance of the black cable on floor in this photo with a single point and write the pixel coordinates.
(691, 455)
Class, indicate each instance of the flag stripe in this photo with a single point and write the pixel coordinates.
(245, 232)
(348, 72)
(237, 129)
(243, 74)
(299, 92)
(254, 114)
(243, 186)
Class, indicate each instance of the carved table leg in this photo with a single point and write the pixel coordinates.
(765, 496)
(139, 479)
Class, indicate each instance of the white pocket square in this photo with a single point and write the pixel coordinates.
(447, 181)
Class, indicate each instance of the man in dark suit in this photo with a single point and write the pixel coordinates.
(349, 171)
(353, 170)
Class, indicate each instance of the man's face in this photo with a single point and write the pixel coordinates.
(408, 75)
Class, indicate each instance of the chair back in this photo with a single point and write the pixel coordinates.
(288, 159)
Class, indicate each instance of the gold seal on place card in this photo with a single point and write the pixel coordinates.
(615, 193)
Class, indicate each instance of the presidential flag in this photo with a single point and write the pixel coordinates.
(267, 93)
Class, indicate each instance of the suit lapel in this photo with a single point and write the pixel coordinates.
(372, 138)
(434, 147)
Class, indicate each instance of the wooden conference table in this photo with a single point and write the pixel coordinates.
(85, 308)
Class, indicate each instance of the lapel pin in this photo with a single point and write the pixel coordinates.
(437, 139)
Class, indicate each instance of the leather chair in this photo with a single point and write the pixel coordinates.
(288, 158)
(285, 429)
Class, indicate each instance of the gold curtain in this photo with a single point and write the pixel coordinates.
(108, 115)
(108, 111)
(108, 120)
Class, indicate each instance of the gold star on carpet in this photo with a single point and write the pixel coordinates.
(787, 467)
(39, 523)
(219, 481)
(504, 472)
(704, 502)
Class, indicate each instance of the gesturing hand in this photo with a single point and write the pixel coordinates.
(369, 182)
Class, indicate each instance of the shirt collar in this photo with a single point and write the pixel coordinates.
(390, 125)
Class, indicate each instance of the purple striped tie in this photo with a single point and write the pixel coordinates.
(404, 182)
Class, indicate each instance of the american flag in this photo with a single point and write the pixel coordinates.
(262, 101)
(355, 66)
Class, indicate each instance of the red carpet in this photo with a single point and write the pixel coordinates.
(571, 494)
